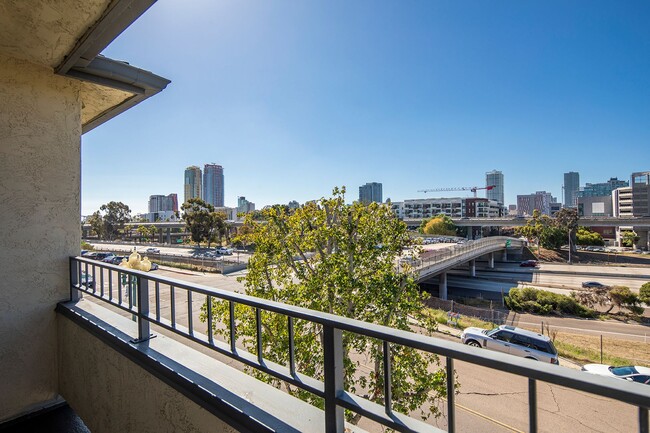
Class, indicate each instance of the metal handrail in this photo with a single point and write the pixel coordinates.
(331, 389)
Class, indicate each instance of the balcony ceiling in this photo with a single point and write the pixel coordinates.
(67, 36)
(44, 32)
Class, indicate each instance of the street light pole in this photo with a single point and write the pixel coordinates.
(570, 246)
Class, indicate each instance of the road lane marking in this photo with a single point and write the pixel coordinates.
(495, 421)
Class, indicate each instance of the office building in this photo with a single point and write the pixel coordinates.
(494, 178)
(213, 189)
(602, 189)
(540, 201)
(370, 192)
(293, 204)
(161, 203)
(571, 188)
(593, 206)
(641, 194)
(622, 202)
(192, 184)
(244, 206)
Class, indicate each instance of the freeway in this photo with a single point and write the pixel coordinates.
(489, 400)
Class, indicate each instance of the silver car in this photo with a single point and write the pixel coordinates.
(512, 340)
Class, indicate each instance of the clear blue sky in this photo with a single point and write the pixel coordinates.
(294, 98)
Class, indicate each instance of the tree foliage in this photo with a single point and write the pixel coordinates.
(549, 232)
(537, 301)
(96, 222)
(440, 224)
(340, 259)
(644, 293)
(116, 214)
(584, 236)
(628, 238)
(203, 223)
(617, 296)
(146, 232)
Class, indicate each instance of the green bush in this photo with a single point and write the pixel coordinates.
(644, 293)
(543, 302)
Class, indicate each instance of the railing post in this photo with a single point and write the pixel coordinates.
(532, 405)
(451, 396)
(142, 288)
(334, 374)
(643, 420)
(75, 294)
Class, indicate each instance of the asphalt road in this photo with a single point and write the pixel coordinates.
(489, 400)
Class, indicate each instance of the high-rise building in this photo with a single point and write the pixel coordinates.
(602, 189)
(244, 206)
(293, 204)
(641, 193)
(162, 203)
(192, 183)
(213, 190)
(571, 188)
(370, 192)
(540, 201)
(494, 178)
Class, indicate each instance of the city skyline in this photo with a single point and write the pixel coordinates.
(293, 107)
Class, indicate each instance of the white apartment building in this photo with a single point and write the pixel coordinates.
(454, 207)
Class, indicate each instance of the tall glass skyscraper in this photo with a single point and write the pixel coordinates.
(571, 188)
(213, 190)
(192, 183)
(495, 178)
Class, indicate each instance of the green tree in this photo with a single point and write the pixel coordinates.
(439, 225)
(566, 219)
(546, 231)
(324, 256)
(624, 298)
(96, 222)
(199, 220)
(584, 236)
(644, 293)
(628, 238)
(116, 214)
(146, 232)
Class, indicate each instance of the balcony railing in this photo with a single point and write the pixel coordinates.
(144, 302)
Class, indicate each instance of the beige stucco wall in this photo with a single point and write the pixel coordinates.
(112, 394)
(39, 225)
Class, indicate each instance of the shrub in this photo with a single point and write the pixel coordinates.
(544, 302)
(644, 293)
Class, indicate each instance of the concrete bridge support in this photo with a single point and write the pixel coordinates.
(504, 256)
(168, 239)
(472, 268)
(491, 260)
(442, 286)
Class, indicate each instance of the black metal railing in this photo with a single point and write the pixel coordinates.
(139, 294)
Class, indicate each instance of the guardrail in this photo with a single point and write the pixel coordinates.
(461, 251)
(143, 300)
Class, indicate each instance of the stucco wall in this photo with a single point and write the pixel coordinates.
(112, 394)
(39, 225)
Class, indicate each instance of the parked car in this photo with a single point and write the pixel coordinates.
(512, 340)
(154, 266)
(87, 280)
(116, 260)
(594, 285)
(110, 258)
(632, 373)
(90, 254)
(223, 250)
(529, 264)
(152, 250)
(101, 256)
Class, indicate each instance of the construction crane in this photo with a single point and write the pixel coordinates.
(460, 188)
